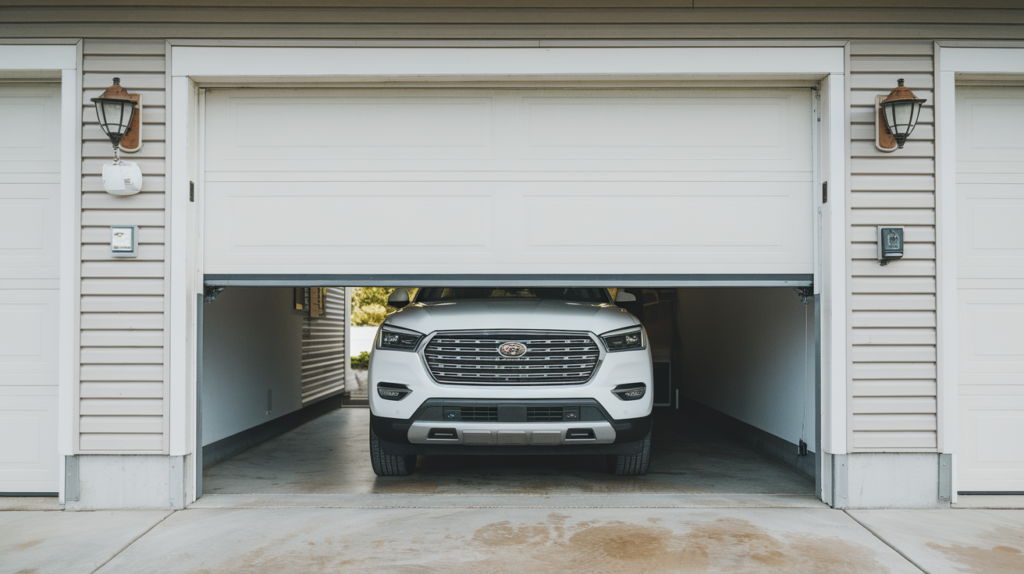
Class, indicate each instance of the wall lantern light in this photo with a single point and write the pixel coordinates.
(119, 114)
(896, 117)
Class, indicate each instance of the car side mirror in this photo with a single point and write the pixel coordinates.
(398, 298)
(623, 297)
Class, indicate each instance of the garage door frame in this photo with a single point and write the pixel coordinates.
(60, 62)
(957, 63)
(194, 67)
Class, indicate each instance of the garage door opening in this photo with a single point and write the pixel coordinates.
(734, 387)
(698, 202)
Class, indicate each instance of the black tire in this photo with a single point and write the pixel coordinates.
(632, 464)
(389, 464)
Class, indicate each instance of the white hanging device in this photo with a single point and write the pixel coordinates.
(122, 178)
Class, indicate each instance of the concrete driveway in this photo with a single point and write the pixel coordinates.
(520, 540)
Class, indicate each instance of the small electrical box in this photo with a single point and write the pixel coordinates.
(124, 241)
(890, 244)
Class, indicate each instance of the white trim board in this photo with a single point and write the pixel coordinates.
(956, 65)
(491, 63)
(46, 62)
(247, 66)
(45, 58)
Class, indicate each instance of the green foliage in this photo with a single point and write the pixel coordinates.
(370, 305)
(361, 361)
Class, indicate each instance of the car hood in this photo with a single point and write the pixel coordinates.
(533, 314)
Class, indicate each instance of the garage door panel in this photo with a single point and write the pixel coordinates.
(29, 127)
(990, 290)
(29, 277)
(991, 336)
(28, 458)
(28, 330)
(519, 230)
(389, 128)
(522, 181)
(661, 127)
(591, 173)
(991, 450)
(28, 230)
(990, 125)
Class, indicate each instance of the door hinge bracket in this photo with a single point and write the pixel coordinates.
(803, 293)
(210, 293)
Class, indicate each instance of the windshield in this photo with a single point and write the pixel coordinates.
(578, 294)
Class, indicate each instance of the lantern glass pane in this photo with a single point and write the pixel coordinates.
(99, 116)
(127, 111)
(890, 120)
(903, 112)
(112, 117)
(915, 115)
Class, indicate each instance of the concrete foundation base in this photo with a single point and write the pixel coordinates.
(888, 480)
(114, 482)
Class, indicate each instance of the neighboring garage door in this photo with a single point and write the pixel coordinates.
(990, 288)
(29, 276)
(571, 181)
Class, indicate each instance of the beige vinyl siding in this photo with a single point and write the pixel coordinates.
(892, 387)
(122, 397)
(323, 349)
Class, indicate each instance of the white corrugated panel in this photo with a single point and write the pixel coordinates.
(323, 349)
(29, 285)
(508, 181)
(990, 293)
(122, 404)
(892, 387)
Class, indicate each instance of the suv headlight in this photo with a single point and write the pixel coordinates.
(398, 339)
(628, 339)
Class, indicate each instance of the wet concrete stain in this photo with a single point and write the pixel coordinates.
(995, 560)
(724, 545)
(26, 545)
(555, 544)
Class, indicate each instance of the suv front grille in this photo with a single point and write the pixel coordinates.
(551, 358)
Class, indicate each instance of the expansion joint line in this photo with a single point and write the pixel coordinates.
(133, 541)
(886, 542)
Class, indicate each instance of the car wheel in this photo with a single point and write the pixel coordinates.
(389, 464)
(632, 464)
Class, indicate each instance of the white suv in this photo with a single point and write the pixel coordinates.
(493, 370)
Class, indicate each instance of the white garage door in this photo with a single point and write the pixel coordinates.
(406, 181)
(990, 288)
(29, 266)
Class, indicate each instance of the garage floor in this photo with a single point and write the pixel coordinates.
(330, 455)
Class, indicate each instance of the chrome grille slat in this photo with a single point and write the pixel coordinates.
(552, 358)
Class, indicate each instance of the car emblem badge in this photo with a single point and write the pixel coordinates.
(512, 350)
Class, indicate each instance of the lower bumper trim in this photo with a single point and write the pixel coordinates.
(493, 433)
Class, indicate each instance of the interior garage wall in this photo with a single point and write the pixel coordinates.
(252, 346)
(750, 354)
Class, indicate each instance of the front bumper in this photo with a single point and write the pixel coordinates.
(593, 431)
(409, 369)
